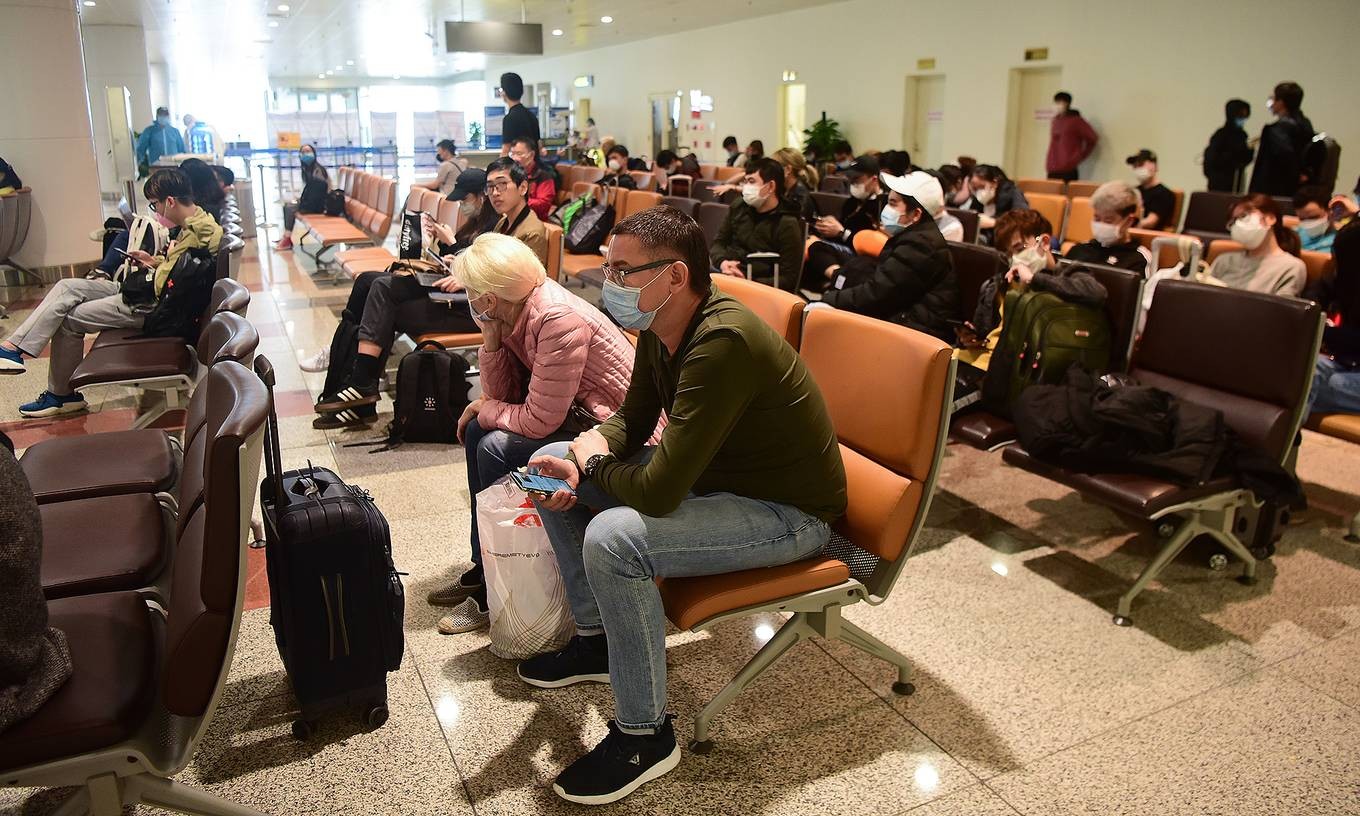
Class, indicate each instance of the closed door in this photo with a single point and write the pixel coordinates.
(1031, 115)
(925, 120)
(792, 113)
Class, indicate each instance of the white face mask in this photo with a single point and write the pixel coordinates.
(1032, 257)
(467, 208)
(1313, 227)
(985, 195)
(750, 193)
(1106, 234)
(615, 165)
(1250, 230)
(859, 191)
(1143, 172)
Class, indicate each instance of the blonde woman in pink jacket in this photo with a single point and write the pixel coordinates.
(552, 366)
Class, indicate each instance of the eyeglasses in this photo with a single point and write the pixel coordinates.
(154, 206)
(616, 276)
(497, 187)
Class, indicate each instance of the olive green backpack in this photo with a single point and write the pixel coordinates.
(1042, 335)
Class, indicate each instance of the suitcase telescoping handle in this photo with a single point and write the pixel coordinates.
(273, 456)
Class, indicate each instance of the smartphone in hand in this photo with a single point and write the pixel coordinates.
(542, 485)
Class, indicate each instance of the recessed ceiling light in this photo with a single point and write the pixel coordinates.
(90, 3)
(396, 76)
(320, 76)
(339, 67)
(606, 19)
(328, 73)
(273, 23)
(557, 32)
(283, 6)
(349, 62)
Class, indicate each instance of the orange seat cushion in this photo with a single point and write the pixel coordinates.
(355, 268)
(690, 602)
(364, 254)
(1341, 426)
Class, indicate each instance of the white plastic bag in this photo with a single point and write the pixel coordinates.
(527, 600)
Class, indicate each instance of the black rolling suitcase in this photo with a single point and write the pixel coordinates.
(336, 599)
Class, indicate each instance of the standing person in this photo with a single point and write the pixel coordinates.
(747, 474)
(1159, 203)
(76, 307)
(1269, 259)
(446, 176)
(592, 135)
(316, 182)
(735, 158)
(542, 181)
(159, 139)
(1316, 228)
(1282, 156)
(552, 365)
(760, 222)
(518, 123)
(1115, 211)
(1070, 141)
(1229, 151)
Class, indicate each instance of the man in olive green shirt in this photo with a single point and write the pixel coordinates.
(747, 474)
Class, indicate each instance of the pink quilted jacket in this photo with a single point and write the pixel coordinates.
(561, 351)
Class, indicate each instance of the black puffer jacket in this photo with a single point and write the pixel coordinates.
(746, 231)
(911, 283)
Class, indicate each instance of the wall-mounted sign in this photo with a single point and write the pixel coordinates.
(927, 64)
(1032, 54)
(584, 81)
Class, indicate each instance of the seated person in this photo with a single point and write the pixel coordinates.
(35, 659)
(1027, 238)
(955, 181)
(754, 150)
(9, 180)
(760, 223)
(75, 307)
(750, 457)
(1269, 261)
(616, 172)
(895, 162)
(552, 366)
(446, 175)
(842, 155)
(1336, 382)
(507, 188)
(316, 183)
(735, 156)
(994, 195)
(1115, 205)
(912, 281)
(668, 162)
(1159, 203)
(949, 224)
(799, 182)
(1316, 230)
(834, 233)
(542, 181)
(475, 214)
(208, 191)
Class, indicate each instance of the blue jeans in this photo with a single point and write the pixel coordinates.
(492, 455)
(609, 559)
(1336, 390)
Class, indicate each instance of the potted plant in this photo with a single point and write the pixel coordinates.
(475, 135)
(820, 138)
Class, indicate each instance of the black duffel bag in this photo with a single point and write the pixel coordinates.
(589, 228)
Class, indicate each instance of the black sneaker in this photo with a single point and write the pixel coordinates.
(584, 660)
(619, 765)
(360, 417)
(349, 396)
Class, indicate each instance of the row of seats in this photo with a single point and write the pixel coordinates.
(355, 262)
(625, 203)
(370, 201)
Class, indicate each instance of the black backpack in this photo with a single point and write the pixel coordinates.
(344, 351)
(589, 228)
(184, 298)
(335, 202)
(313, 197)
(432, 391)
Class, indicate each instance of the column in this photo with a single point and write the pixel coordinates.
(46, 133)
(115, 56)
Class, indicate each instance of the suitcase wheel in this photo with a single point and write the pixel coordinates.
(303, 729)
(375, 717)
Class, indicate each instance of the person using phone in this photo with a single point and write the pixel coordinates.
(835, 233)
(749, 458)
(551, 366)
(78, 306)
(475, 214)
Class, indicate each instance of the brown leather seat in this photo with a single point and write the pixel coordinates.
(982, 429)
(974, 265)
(711, 215)
(103, 544)
(970, 221)
(781, 311)
(1207, 214)
(690, 601)
(227, 296)
(121, 363)
(684, 204)
(1139, 496)
(110, 691)
(102, 464)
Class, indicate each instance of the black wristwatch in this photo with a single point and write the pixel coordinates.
(593, 464)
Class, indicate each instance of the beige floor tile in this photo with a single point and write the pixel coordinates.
(978, 800)
(1330, 668)
(1266, 744)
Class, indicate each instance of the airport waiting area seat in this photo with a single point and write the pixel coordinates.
(370, 201)
(1248, 355)
(150, 665)
(892, 432)
(626, 203)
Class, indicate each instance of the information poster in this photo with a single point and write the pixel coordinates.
(453, 125)
(492, 122)
(282, 123)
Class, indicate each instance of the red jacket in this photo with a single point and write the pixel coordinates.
(1071, 140)
(542, 193)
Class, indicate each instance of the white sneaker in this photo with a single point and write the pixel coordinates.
(98, 235)
(317, 362)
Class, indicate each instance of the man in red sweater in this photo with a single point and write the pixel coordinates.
(542, 181)
(1070, 141)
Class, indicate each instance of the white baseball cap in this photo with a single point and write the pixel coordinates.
(921, 186)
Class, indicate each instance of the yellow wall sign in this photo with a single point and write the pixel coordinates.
(1032, 54)
(289, 140)
(927, 64)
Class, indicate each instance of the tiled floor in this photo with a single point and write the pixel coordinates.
(1224, 699)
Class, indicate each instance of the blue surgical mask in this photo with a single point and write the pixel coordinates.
(1240, 122)
(307, 158)
(888, 218)
(163, 121)
(480, 317)
(622, 302)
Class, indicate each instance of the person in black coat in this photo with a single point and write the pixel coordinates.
(912, 281)
(994, 195)
(1282, 164)
(1228, 154)
(835, 233)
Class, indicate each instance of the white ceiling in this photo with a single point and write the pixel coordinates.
(391, 38)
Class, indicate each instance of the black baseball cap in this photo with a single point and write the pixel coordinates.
(863, 166)
(471, 181)
(1141, 156)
